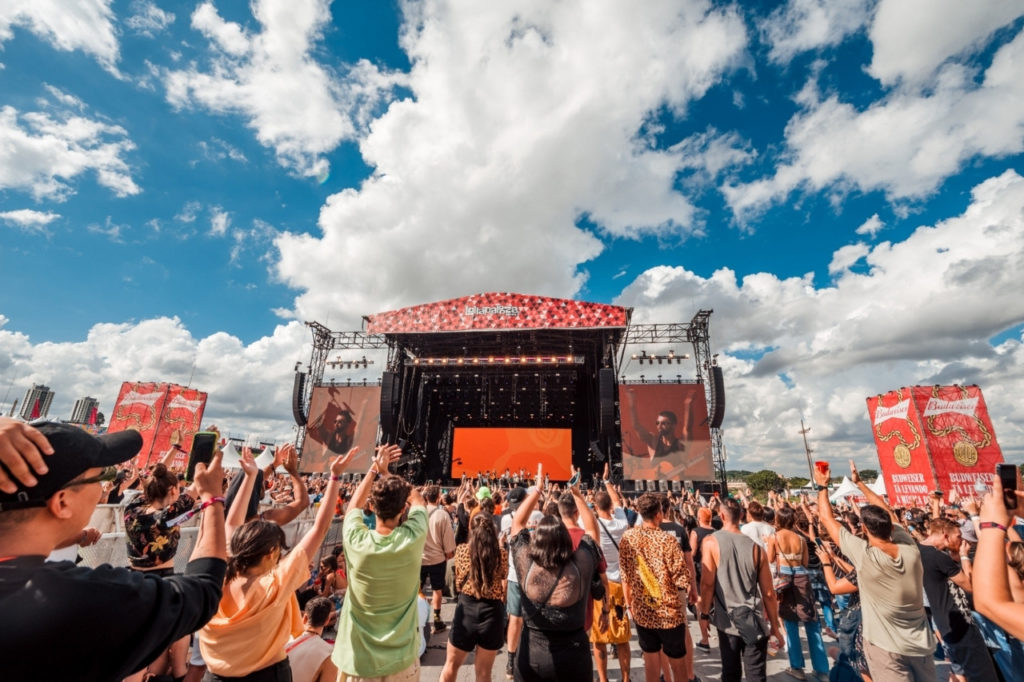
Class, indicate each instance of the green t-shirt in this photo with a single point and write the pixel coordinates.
(378, 632)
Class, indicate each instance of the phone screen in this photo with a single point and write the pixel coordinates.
(202, 451)
(1007, 474)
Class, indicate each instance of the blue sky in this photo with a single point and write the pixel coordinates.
(840, 181)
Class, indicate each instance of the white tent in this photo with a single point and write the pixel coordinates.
(848, 487)
(232, 455)
(878, 487)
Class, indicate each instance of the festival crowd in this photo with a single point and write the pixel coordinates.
(560, 577)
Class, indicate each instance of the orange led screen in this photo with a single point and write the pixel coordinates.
(493, 449)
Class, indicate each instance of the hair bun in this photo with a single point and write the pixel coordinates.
(160, 469)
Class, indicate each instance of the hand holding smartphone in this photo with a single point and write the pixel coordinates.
(1007, 474)
(203, 445)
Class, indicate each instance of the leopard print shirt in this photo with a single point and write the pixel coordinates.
(653, 565)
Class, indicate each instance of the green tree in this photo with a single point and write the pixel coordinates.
(762, 481)
(798, 482)
(868, 475)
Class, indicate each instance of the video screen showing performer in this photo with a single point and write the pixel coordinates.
(341, 417)
(665, 432)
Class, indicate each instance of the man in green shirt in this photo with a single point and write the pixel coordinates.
(378, 632)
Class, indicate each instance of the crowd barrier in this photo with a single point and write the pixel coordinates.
(112, 548)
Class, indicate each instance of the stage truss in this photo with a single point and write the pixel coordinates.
(696, 332)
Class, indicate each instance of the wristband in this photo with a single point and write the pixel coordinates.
(984, 525)
(336, 478)
(372, 469)
(818, 486)
(705, 616)
(210, 502)
(823, 564)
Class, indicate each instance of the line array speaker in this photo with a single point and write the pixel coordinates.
(388, 403)
(717, 397)
(298, 390)
(606, 401)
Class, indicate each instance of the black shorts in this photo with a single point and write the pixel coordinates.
(436, 574)
(478, 623)
(672, 641)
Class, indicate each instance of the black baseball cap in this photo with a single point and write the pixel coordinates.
(516, 496)
(74, 452)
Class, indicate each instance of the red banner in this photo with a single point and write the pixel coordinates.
(498, 311)
(933, 438)
(138, 407)
(181, 418)
(665, 432)
(341, 417)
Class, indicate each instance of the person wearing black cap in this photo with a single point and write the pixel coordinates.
(67, 622)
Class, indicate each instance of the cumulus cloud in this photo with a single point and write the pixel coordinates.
(85, 25)
(912, 38)
(148, 19)
(921, 311)
(871, 226)
(521, 129)
(44, 151)
(802, 25)
(297, 106)
(28, 219)
(904, 145)
(249, 385)
(220, 221)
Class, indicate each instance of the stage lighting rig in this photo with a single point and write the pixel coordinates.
(349, 364)
(669, 358)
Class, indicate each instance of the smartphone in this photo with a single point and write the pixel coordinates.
(819, 543)
(575, 479)
(203, 444)
(1007, 474)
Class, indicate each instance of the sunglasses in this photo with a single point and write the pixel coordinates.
(108, 474)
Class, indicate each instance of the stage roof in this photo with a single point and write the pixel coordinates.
(498, 311)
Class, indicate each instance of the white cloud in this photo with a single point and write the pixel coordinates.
(85, 25)
(802, 25)
(220, 221)
(921, 313)
(43, 152)
(520, 124)
(188, 212)
(871, 226)
(912, 38)
(249, 384)
(218, 150)
(846, 256)
(904, 145)
(29, 220)
(147, 18)
(109, 229)
(299, 107)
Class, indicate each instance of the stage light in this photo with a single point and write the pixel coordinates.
(461, 361)
(476, 361)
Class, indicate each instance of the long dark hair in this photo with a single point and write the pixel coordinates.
(484, 553)
(551, 546)
(250, 543)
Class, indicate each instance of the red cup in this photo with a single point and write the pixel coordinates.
(822, 467)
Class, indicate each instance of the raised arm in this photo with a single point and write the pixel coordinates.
(873, 497)
(586, 515)
(314, 537)
(992, 596)
(211, 543)
(300, 494)
(239, 505)
(385, 455)
(825, 514)
(522, 514)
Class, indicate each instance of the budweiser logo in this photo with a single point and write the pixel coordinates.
(181, 403)
(897, 411)
(966, 406)
(136, 398)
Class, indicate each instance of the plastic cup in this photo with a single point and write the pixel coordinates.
(822, 467)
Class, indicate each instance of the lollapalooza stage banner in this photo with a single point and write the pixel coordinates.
(933, 438)
(665, 432)
(164, 414)
(341, 417)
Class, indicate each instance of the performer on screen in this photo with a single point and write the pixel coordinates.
(338, 436)
(662, 443)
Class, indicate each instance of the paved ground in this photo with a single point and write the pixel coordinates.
(707, 665)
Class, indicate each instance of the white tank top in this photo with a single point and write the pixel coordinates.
(305, 654)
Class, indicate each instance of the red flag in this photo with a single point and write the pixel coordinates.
(35, 410)
(92, 416)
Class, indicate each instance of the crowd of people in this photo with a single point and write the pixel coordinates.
(560, 577)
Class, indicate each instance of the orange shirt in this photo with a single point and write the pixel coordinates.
(269, 615)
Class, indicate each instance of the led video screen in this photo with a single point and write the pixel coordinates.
(478, 450)
(665, 432)
(341, 417)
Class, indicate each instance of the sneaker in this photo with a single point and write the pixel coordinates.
(706, 648)
(439, 626)
(796, 673)
(509, 674)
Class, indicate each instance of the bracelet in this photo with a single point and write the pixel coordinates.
(210, 502)
(373, 468)
(823, 564)
(336, 478)
(985, 525)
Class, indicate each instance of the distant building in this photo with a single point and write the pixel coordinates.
(36, 403)
(84, 411)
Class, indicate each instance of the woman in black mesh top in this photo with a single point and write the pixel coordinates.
(556, 581)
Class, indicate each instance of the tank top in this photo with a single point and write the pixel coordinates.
(735, 580)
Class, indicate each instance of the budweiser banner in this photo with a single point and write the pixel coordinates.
(665, 432)
(164, 414)
(933, 438)
(138, 407)
(341, 417)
